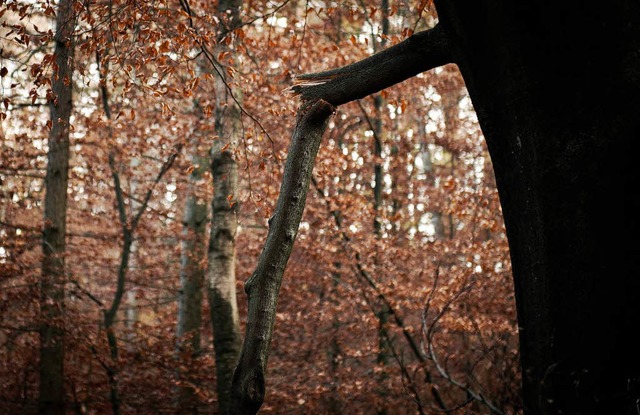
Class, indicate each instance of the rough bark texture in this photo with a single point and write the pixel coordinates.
(52, 392)
(263, 286)
(557, 90)
(222, 244)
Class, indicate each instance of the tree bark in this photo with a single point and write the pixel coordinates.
(262, 288)
(557, 92)
(52, 282)
(222, 275)
(379, 103)
(223, 302)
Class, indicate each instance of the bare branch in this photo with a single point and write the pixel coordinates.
(122, 213)
(145, 201)
(362, 273)
(429, 331)
(86, 292)
(217, 67)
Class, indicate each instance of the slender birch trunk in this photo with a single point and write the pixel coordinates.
(224, 223)
(222, 252)
(192, 272)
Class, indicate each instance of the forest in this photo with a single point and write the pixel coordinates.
(144, 145)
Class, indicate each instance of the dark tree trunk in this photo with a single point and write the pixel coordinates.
(52, 282)
(557, 90)
(379, 104)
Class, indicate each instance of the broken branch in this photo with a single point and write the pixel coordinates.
(248, 386)
(418, 53)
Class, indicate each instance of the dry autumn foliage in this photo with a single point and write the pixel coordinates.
(398, 296)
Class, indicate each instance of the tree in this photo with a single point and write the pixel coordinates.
(248, 386)
(561, 160)
(53, 280)
(225, 318)
(192, 270)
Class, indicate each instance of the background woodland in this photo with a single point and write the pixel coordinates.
(398, 297)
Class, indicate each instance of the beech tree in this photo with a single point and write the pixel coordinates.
(560, 150)
(192, 269)
(53, 280)
(225, 317)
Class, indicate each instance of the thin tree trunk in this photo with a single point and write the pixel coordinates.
(110, 314)
(131, 308)
(419, 53)
(130, 300)
(222, 259)
(263, 286)
(428, 171)
(128, 227)
(52, 391)
(334, 400)
(379, 104)
(223, 303)
(384, 352)
(449, 110)
(192, 271)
